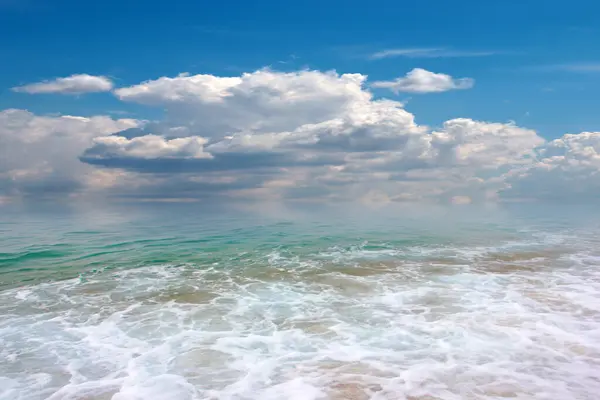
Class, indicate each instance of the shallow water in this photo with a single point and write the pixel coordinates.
(181, 303)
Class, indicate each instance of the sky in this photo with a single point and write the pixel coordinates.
(439, 101)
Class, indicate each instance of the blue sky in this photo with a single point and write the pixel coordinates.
(475, 90)
(529, 79)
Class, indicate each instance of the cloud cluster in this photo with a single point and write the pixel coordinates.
(310, 133)
(74, 84)
(295, 135)
(422, 81)
(566, 169)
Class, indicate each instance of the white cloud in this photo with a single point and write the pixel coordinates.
(40, 154)
(207, 88)
(463, 141)
(24, 126)
(365, 126)
(464, 158)
(151, 146)
(580, 149)
(323, 131)
(261, 101)
(422, 81)
(300, 135)
(566, 168)
(74, 84)
(428, 52)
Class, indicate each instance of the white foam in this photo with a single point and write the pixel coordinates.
(22, 294)
(180, 332)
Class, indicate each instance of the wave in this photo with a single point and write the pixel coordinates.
(298, 327)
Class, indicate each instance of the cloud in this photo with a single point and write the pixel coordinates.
(428, 52)
(304, 135)
(40, 154)
(464, 157)
(422, 81)
(262, 101)
(567, 168)
(74, 84)
(151, 147)
(463, 141)
(309, 133)
(266, 119)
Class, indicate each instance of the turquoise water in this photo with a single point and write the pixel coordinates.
(197, 302)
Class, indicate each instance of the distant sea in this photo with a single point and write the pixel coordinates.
(190, 301)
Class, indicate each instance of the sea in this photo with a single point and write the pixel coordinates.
(178, 301)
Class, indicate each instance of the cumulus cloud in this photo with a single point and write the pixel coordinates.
(365, 126)
(40, 153)
(151, 147)
(74, 84)
(295, 135)
(463, 141)
(422, 81)
(269, 119)
(262, 101)
(463, 158)
(565, 168)
(310, 133)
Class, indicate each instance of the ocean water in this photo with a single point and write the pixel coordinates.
(195, 302)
